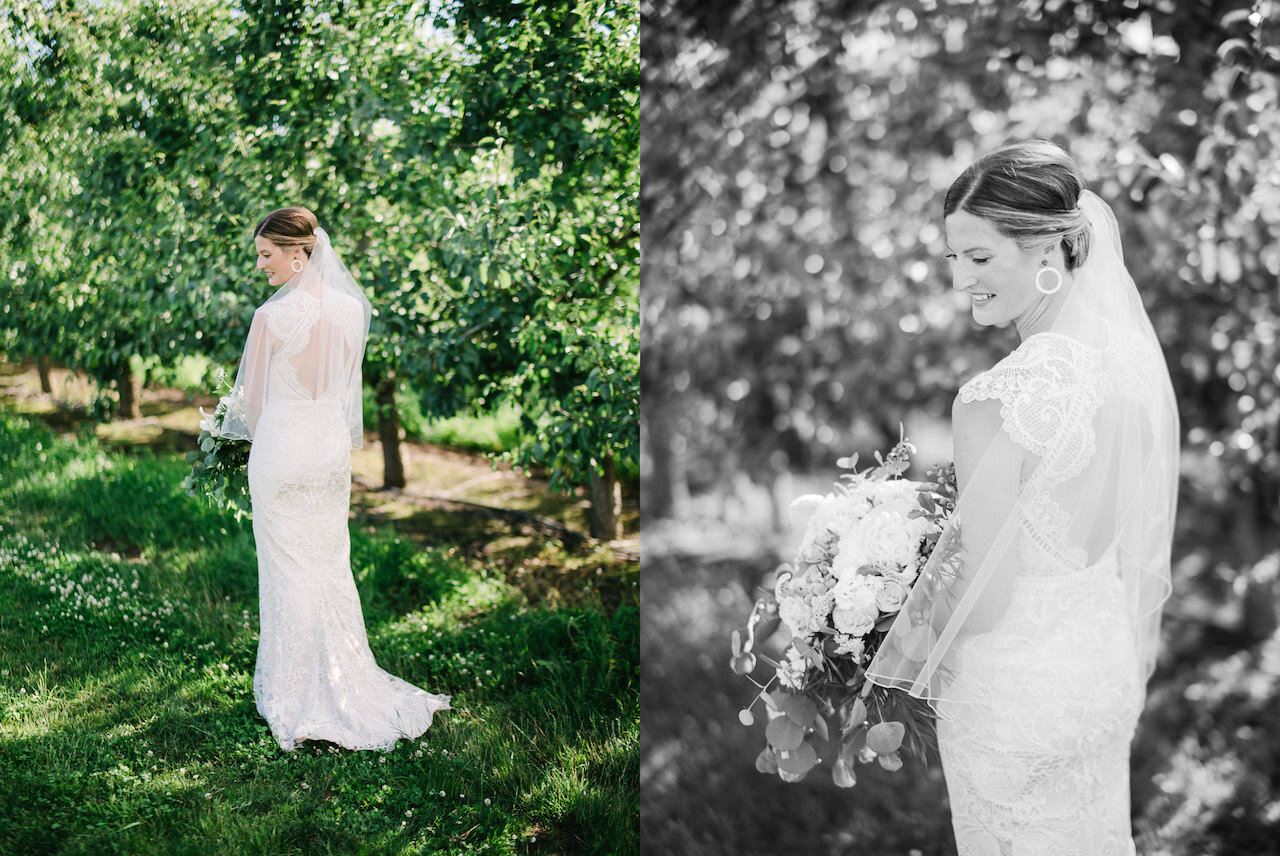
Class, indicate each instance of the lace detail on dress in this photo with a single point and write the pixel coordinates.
(1043, 549)
(1036, 748)
(291, 320)
(1035, 736)
(1049, 391)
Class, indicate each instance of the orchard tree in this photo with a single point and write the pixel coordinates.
(534, 296)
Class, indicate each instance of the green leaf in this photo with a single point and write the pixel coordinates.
(891, 761)
(798, 761)
(857, 713)
(801, 709)
(766, 762)
(885, 737)
(784, 733)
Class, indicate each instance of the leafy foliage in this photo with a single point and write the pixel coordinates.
(475, 163)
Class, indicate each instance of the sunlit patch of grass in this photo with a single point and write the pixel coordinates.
(128, 622)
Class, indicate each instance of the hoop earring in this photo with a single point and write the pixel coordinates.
(296, 266)
(1056, 286)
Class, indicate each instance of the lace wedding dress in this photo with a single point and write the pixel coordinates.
(315, 678)
(1034, 625)
(1035, 749)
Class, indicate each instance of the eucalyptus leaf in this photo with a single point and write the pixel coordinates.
(798, 761)
(801, 709)
(784, 733)
(891, 761)
(885, 737)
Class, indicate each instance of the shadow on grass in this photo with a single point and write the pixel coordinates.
(546, 742)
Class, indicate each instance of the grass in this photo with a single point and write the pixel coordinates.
(128, 619)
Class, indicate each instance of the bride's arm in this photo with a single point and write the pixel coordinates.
(257, 359)
(988, 475)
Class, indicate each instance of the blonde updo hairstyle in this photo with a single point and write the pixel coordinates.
(290, 228)
(1030, 192)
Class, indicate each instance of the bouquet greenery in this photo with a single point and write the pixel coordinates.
(864, 547)
(220, 466)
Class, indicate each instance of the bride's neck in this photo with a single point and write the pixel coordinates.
(1046, 312)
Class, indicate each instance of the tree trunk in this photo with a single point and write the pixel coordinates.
(128, 388)
(666, 491)
(606, 501)
(389, 431)
(43, 364)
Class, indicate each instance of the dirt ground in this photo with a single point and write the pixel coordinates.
(496, 512)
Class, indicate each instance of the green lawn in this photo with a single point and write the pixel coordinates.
(128, 619)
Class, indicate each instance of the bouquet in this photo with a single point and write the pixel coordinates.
(219, 467)
(864, 547)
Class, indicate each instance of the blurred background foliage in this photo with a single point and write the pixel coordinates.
(475, 162)
(796, 308)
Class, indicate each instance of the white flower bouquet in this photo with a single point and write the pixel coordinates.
(220, 466)
(862, 551)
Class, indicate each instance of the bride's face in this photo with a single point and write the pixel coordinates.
(997, 274)
(274, 261)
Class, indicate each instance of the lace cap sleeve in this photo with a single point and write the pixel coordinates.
(1049, 391)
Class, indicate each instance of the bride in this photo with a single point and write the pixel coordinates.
(297, 396)
(1034, 626)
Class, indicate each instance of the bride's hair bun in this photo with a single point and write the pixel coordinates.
(1029, 191)
(290, 227)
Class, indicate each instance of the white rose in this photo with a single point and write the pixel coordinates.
(886, 536)
(850, 555)
(891, 596)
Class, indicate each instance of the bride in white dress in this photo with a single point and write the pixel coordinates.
(1034, 626)
(297, 396)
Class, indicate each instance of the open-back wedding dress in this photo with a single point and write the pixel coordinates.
(298, 398)
(1033, 627)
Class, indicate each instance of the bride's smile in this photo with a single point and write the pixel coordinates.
(998, 275)
(275, 261)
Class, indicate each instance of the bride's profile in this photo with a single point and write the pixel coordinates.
(297, 397)
(1034, 626)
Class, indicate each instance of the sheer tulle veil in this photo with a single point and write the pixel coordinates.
(327, 365)
(1101, 471)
